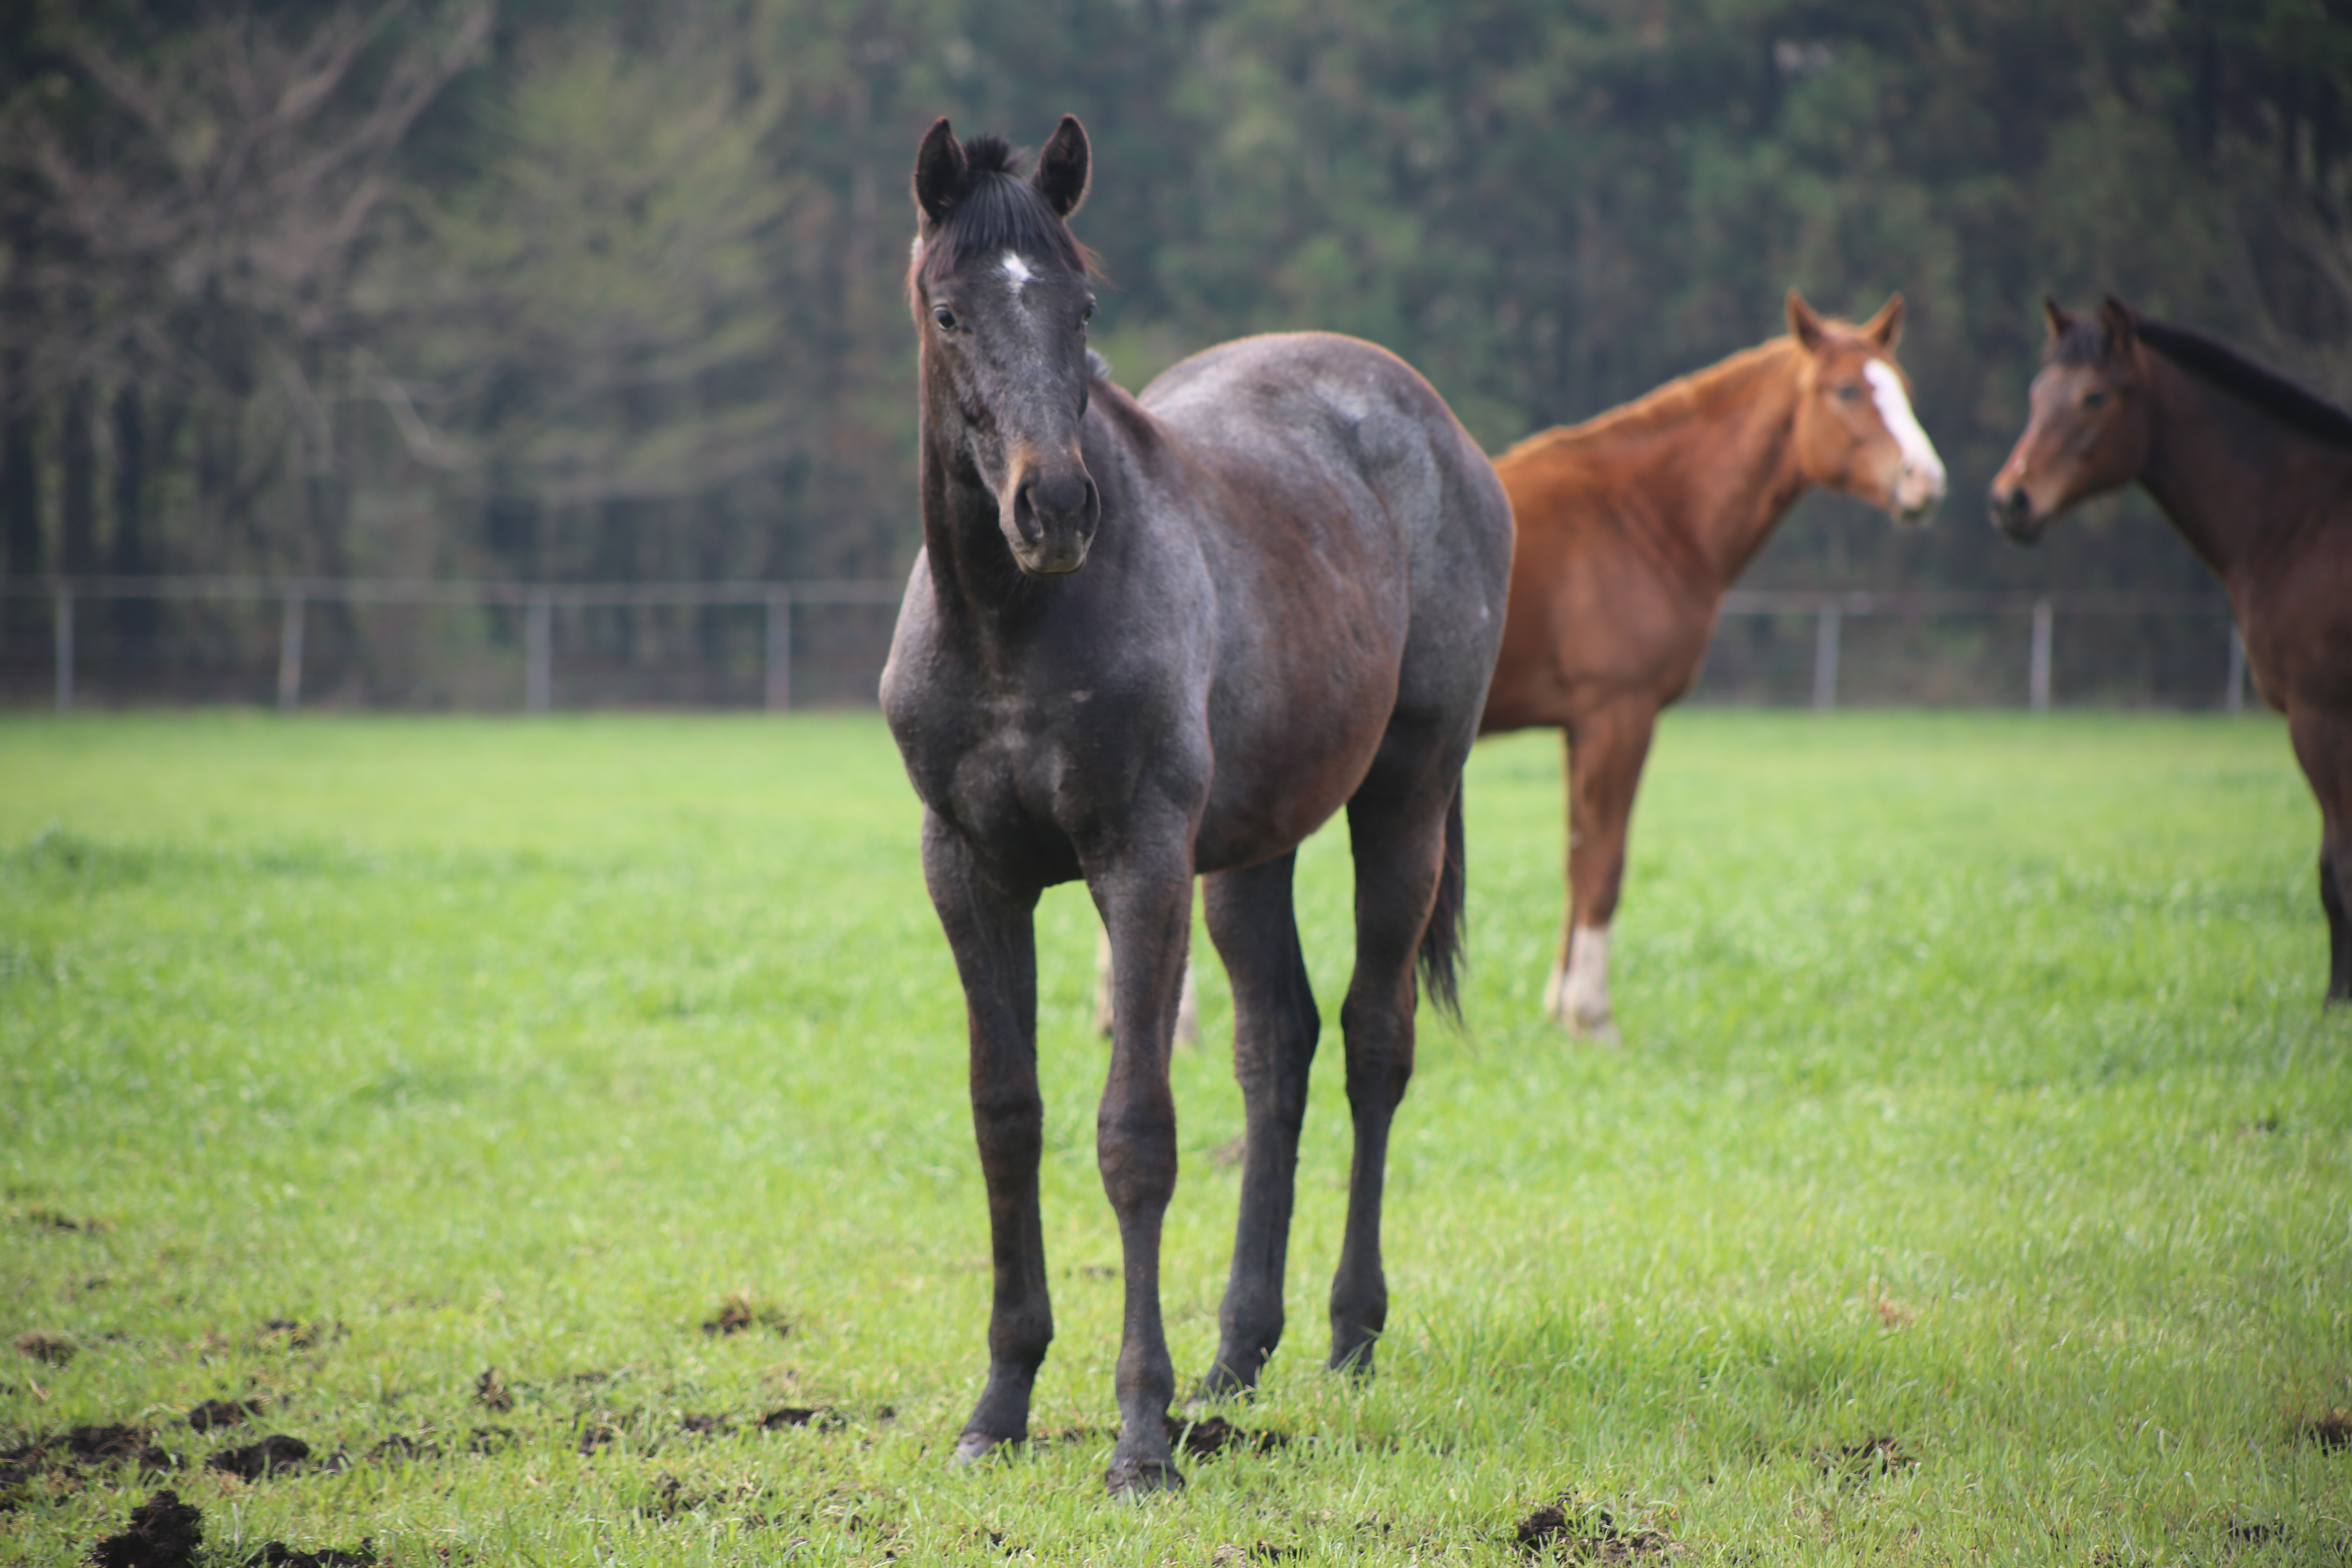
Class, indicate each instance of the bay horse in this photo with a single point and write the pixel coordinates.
(2257, 475)
(1159, 636)
(1630, 528)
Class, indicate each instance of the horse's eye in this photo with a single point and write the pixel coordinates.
(944, 317)
(1849, 393)
(2095, 400)
(1088, 314)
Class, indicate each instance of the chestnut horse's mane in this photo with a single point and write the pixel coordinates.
(2269, 393)
(1669, 401)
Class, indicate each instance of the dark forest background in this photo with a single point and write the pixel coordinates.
(612, 290)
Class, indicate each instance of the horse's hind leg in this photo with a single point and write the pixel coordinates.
(991, 929)
(1399, 845)
(1275, 1026)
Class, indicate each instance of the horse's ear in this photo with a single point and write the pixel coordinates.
(1805, 323)
(2119, 326)
(2055, 315)
(940, 170)
(1065, 164)
(1885, 329)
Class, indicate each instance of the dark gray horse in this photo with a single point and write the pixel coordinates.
(1149, 637)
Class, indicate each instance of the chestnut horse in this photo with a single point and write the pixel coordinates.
(2257, 473)
(1631, 526)
(1153, 636)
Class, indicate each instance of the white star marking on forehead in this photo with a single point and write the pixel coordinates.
(1895, 409)
(1017, 269)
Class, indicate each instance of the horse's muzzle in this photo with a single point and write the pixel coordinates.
(2012, 512)
(1054, 519)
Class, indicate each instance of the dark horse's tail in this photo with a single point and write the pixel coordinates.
(1441, 940)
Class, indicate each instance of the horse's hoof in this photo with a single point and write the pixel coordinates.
(1600, 1031)
(1219, 1384)
(974, 1446)
(1132, 1479)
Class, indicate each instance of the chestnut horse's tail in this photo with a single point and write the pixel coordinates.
(1441, 940)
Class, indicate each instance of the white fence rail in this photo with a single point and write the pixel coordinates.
(538, 602)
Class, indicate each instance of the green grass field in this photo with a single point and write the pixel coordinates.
(1975, 1183)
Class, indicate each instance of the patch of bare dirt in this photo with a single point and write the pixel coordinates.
(164, 1533)
(1232, 1556)
(1573, 1530)
(48, 1346)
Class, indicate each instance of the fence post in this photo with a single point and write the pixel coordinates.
(290, 654)
(538, 653)
(779, 652)
(65, 650)
(2233, 692)
(1825, 659)
(2037, 669)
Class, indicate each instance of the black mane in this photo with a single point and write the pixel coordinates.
(2267, 392)
(999, 211)
(2297, 408)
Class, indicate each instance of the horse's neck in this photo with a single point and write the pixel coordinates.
(2215, 467)
(971, 569)
(1717, 451)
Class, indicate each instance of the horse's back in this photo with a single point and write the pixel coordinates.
(1300, 418)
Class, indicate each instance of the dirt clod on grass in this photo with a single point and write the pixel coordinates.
(1575, 1531)
(740, 1312)
(276, 1454)
(491, 1393)
(1206, 1440)
(824, 1418)
(1866, 1460)
(2331, 1429)
(295, 1335)
(53, 1219)
(164, 1533)
(47, 1346)
(216, 1413)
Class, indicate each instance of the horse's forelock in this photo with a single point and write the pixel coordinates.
(2084, 342)
(998, 212)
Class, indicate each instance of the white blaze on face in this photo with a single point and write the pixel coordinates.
(1017, 269)
(1922, 485)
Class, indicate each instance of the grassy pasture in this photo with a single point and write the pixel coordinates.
(1976, 1182)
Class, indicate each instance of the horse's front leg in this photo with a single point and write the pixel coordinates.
(991, 931)
(1604, 769)
(1146, 905)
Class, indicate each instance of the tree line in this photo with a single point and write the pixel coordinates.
(613, 289)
